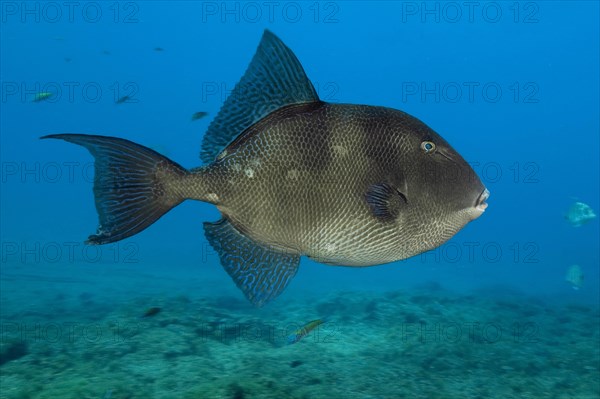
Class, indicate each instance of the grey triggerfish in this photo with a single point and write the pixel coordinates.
(292, 175)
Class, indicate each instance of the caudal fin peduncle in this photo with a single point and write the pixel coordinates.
(133, 185)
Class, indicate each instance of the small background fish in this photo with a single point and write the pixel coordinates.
(304, 331)
(153, 311)
(199, 115)
(579, 214)
(123, 100)
(42, 96)
(575, 276)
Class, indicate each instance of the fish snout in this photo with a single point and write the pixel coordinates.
(480, 203)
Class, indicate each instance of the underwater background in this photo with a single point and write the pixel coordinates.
(513, 86)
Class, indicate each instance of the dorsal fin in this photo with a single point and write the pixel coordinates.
(273, 79)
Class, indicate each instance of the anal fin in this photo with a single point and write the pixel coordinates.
(261, 273)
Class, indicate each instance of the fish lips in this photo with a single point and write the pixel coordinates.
(480, 203)
(479, 206)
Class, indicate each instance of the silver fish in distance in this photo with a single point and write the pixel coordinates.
(579, 214)
(344, 184)
(575, 276)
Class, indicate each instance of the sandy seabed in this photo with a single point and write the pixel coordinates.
(423, 343)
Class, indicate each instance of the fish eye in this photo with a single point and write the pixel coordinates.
(428, 147)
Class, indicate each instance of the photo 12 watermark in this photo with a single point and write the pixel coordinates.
(473, 332)
(254, 12)
(70, 92)
(111, 332)
(514, 172)
(490, 252)
(53, 12)
(490, 92)
(22, 172)
(470, 12)
(67, 252)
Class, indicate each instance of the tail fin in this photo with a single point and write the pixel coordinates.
(133, 185)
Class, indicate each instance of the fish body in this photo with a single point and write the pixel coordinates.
(304, 331)
(575, 277)
(307, 179)
(123, 100)
(44, 95)
(153, 311)
(579, 214)
(199, 115)
(344, 184)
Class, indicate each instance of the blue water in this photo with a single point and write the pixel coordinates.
(513, 86)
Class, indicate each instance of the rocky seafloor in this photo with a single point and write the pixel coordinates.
(424, 343)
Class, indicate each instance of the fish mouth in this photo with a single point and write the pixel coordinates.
(481, 203)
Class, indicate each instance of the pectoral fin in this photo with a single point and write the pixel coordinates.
(385, 201)
(261, 273)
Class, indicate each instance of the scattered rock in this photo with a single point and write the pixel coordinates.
(10, 351)
(237, 392)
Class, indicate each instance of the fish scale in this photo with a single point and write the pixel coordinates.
(293, 176)
(304, 214)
